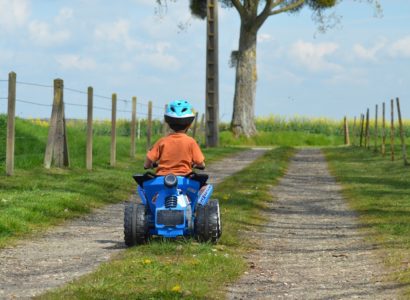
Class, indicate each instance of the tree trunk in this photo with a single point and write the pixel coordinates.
(243, 121)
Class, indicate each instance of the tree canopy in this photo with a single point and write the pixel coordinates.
(198, 7)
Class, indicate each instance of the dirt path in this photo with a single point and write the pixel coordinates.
(79, 246)
(312, 246)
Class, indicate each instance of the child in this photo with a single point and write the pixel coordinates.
(176, 153)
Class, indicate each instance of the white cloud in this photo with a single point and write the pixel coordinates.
(158, 57)
(282, 76)
(72, 61)
(352, 77)
(369, 53)
(264, 37)
(153, 54)
(144, 2)
(41, 34)
(313, 56)
(401, 48)
(13, 13)
(118, 31)
(65, 14)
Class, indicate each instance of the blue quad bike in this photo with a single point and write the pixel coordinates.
(171, 206)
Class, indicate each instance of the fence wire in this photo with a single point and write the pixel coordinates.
(34, 84)
(82, 92)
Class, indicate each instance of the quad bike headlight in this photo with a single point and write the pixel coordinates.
(170, 180)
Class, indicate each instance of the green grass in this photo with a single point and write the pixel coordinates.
(34, 198)
(175, 269)
(379, 190)
(282, 138)
(295, 131)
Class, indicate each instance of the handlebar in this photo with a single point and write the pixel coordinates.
(154, 165)
(198, 167)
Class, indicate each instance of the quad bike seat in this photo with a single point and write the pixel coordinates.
(141, 178)
(201, 178)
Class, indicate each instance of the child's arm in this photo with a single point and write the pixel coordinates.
(153, 156)
(198, 158)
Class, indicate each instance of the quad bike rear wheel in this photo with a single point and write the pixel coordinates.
(208, 227)
(135, 224)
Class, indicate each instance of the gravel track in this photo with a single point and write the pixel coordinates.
(313, 246)
(79, 246)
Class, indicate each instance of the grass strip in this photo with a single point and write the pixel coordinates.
(183, 268)
(379, 190)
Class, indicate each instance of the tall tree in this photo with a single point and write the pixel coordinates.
(253, 14)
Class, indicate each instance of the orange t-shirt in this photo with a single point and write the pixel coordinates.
(175, 154)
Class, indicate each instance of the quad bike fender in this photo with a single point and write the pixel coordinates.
(205, 194)
(142, 195)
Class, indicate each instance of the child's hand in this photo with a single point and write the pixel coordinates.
(150, 164)
(199, 167)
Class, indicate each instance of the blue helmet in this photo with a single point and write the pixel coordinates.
(179, 112)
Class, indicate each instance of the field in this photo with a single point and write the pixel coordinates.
(296, 131)
(34, 199)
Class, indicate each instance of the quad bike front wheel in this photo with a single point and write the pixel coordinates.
(135, 224)
(208, 227)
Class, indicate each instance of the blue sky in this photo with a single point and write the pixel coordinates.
(126, 48)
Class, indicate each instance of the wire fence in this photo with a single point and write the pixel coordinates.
(81, 101)
(33, 115)
(387, 133)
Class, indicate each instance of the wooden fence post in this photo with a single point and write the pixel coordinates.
(367, 134)
(149, 125)
(11, 114)
(392, 130)
(57, 145)
(354, 131)
(361, 129)
(346, 131)
(402, 137)
(195, 125)
(89, 150)
(133, 126)
(113, 130)
(384, 129)
(376, 134)
(48, 156)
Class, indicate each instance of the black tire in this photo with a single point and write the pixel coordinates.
(208, 227)
(135, 224)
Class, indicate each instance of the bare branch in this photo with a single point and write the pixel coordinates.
(264, 14)
(276, 3)
(287, 8)
(239, 7)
